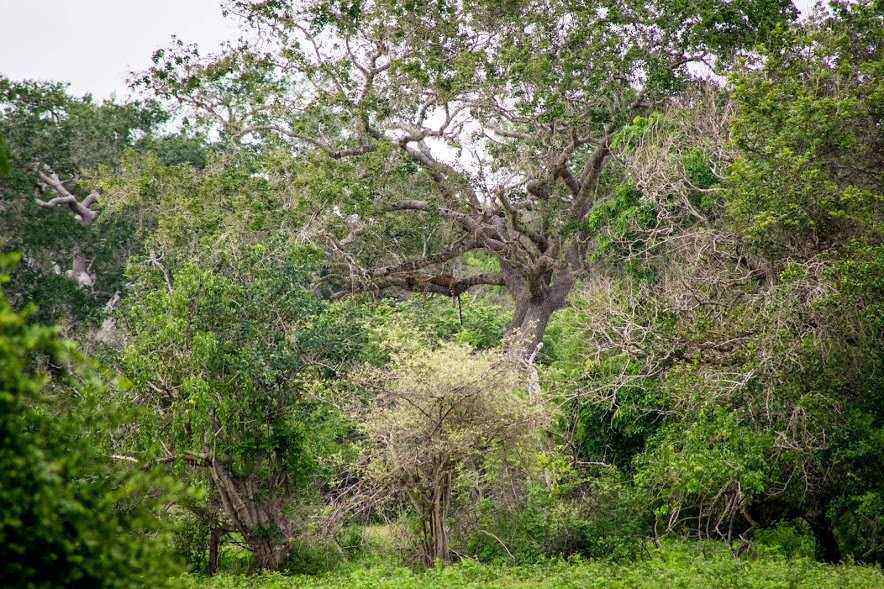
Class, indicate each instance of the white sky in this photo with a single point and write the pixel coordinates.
(94, 44)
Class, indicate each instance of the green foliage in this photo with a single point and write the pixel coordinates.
(230, 346)
(673, 565)
(312, 557)
(619, 220)
(473, 321)
(69, 516)
(42, 124)
(737, 377)
(598, 516)
(559, 81)
(190, 539)
(711, 458)
(241, 347)
(232, 349)
(858, 518)
(79, 139)
(790, 540)
(810, 167)
(5, 159)
(697, 169)
(808, 187)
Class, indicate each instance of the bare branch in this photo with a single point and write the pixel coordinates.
(83, 211)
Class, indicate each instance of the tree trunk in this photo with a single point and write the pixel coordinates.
(262, 523)
(434, 512)
(436, 544)
(822, 529)
(268, 555)
(214, 550)
(530, 320)
(535, 303)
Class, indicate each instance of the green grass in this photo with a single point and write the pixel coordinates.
(677, 565)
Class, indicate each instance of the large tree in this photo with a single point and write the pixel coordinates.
(489, 122)
(54, 144)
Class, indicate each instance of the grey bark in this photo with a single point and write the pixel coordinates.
(536, 299)
(82, 210)
(262, 523)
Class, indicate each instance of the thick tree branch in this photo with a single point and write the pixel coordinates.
(83, 211)
(589, 177)
(442, 284)
(445, 255)
(569, 179)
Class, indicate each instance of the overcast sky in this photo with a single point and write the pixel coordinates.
(94, 44)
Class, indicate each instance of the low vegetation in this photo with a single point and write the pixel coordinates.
(674, 565)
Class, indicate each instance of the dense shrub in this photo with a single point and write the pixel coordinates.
(564, 513)
(69, 517)
(444, 426)
(730, 360)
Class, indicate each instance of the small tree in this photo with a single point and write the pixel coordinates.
(441, 413)
(226, 345)
(228, 360)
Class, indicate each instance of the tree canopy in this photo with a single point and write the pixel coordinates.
(493, 122)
